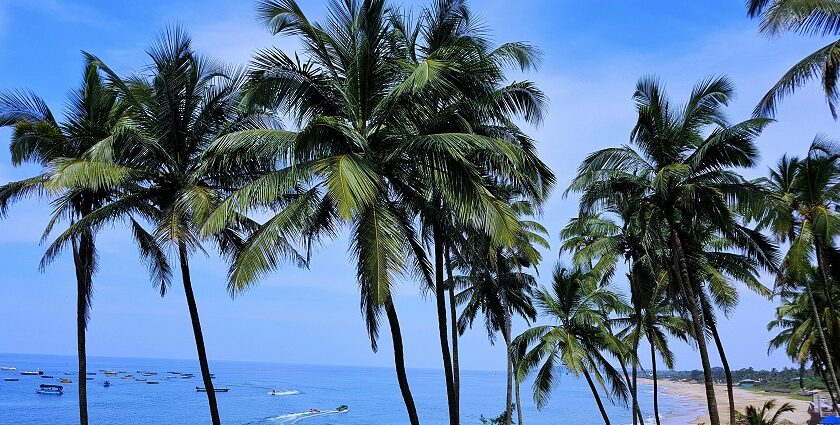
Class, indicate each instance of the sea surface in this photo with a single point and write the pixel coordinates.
(371, 393)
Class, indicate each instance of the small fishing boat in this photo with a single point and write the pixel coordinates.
(9, 368)
(187, 375)
(65, 381)
(174, 373)
(110, 373)
(89, 378)
(140, 379)
(69, 373)
(172, 377)
(342, 408)
(91, 373)
(47, 376)
(106, 384)
(11, 379)
(216, 390)
(152, 382)
(32, 372)
(314, 411)
(50, 389)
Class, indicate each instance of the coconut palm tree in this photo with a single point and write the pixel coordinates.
(499, 287)
(579, 339)
(680, 174)
(362, 160)
(157, 163)
(39, 137)
(755, 416)
(801, 211)
(809, 18)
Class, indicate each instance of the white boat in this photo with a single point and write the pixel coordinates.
(215, 390)
(50, 389)
(8, 368)
(11, 379)
(32, 372)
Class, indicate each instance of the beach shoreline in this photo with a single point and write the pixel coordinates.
(696, 395)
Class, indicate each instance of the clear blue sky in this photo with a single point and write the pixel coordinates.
(594, 53)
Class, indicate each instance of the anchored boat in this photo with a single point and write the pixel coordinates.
(216, 390)
(50, 389)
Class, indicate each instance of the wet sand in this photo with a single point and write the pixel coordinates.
(695, 395)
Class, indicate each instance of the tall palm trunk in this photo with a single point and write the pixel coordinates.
(697, 322)
(509, 377)
(828, 359)
(637, 417)
(519, 414)
(440, 300)
(597, 397)
(707, 311)
(83, 253)
(655, 383)
(199, 337)
(399, 362)
(634, 389)
(453, 317)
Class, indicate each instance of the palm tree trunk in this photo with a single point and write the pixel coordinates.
(634, 390)
(655, 383)
(697, 322)
(597, 397)
(199, 337)
(83, 285)
(440, 299)
(509, 377)
(822, 265)
(453, 313)
(519, 414)
(710, 323)
(823, 342)
(399, 362)
(818, 365)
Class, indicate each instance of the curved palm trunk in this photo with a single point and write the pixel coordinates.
(399, 362)
(519, 414)
(697, 322)
(597, 397)
(83, 253)
(655, 383)
(440, 301)
(509, 377)
(823, 342)
(199, 337)
(453, 317)
(634, 390)
(707, 311)
(637, 417)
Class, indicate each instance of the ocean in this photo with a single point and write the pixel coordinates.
(371, 394)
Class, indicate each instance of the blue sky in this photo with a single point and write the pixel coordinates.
(593, 56)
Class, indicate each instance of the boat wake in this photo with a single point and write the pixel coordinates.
(286, 392)
(293, 418)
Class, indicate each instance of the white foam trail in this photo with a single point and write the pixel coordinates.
(287, 392)
(293, 418)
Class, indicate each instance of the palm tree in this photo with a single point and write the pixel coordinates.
(810, 18)
(362, 159)
(755, 416)
(157, 163)
(681, 174)
(40, 138)
(801, 212)
(498, 287)
(579, 340)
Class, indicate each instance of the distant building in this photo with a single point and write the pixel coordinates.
(747, 383)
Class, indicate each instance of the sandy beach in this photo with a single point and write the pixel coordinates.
(743, 398)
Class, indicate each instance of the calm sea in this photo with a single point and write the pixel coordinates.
(371, 394)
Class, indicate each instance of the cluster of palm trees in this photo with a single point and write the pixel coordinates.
(401, 132)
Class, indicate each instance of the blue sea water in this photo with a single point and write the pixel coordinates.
(372, 395)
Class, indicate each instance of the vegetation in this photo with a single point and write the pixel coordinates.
(402, 131)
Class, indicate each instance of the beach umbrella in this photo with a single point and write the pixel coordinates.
(831, 420)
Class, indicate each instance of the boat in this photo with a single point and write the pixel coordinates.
(342, 408)
(152, 382)
(91, 373)
(140, 379)
(50, 389)
(69, 373)
(65, 381)
(10, 368)
(110, 373)
(106, 384)
(47, 376)
(216, 390)
(11, 379)
(187, 375)
(172, 377)
(89, 378)
(174, 373)
(32, 372)
(314, 411)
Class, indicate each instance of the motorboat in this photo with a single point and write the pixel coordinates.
(50, 389)
(8, 368)
(140, 379)
(217, 390)
(69, 373)
(342, 408)
(32, 372)
(152, 382)
(314, 411)
(106, 384)
(65, 381)
(47, 376)
(11, 379)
